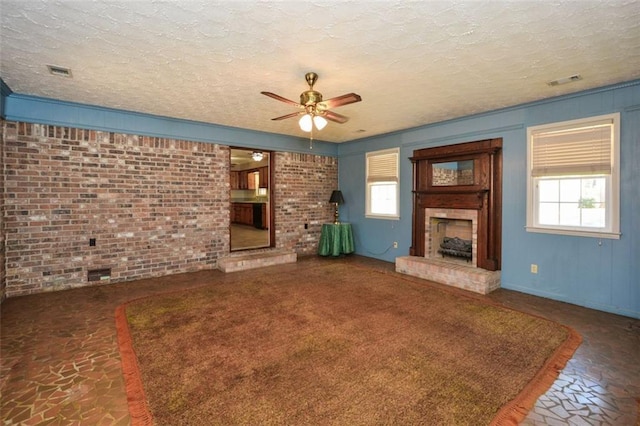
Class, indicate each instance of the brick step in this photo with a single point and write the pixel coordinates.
(456, 275)
(242, 262)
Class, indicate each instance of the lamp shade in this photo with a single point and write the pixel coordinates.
(308, 121)
(305, 123)
(336, 197)
(319, 122)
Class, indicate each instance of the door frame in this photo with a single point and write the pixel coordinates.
(270, 191)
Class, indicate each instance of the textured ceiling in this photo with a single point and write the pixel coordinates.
(413, 63)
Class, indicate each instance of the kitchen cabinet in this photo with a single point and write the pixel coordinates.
(234, 180)
(245, 179)
(245, 214)
(235, 217)
(238, 180)
(264, 177)
(251, 180)
(242, 213)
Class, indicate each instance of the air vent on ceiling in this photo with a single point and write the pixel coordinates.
(59, 71)
(565, 80)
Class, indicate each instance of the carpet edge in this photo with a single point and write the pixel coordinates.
(136, 399)
(516, 410)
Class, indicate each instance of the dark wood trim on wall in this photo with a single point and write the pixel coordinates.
(484, 194)
(272, 200)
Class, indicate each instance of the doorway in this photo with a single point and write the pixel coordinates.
(251, 224)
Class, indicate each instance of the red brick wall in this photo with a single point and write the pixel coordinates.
(3, 281)
(303, 187)
(155, 206)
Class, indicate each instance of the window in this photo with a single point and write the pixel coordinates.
(573, 177)
(382, 184)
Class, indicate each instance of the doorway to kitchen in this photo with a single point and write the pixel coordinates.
(251, 213)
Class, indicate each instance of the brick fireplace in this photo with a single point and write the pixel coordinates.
(456, 235)
(458, 224)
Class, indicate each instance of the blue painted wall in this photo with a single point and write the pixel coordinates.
(5, 91)
(598, 273)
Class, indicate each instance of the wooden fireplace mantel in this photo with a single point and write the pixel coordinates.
(484, 194)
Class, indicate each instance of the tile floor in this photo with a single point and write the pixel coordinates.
(60, 365)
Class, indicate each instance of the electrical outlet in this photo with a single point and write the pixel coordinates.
(395, 244)
(534, 268)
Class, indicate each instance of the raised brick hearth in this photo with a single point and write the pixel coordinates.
(470, 278)
(259, 259)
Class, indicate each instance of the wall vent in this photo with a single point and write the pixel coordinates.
(59, 71)
(565, 80)
(99, 274)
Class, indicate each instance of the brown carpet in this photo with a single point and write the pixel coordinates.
(333, 345)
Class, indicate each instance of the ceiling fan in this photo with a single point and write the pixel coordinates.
(315, 111)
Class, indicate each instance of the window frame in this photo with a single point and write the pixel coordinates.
(611, 230)
(373, 181)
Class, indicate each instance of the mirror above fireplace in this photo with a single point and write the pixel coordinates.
(452, 173)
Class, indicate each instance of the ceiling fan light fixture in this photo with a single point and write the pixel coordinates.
(317, 112)
(257, 156)
(319, 121)
(305, 123)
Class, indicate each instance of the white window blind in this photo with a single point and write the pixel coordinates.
(382, 166)
(382, 197)
(586, 150)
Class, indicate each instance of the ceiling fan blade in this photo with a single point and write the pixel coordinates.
(281, 99)
(332, 116)
(349, 98)
(293, 114)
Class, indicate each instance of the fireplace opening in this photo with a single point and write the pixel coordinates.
(451, 239)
